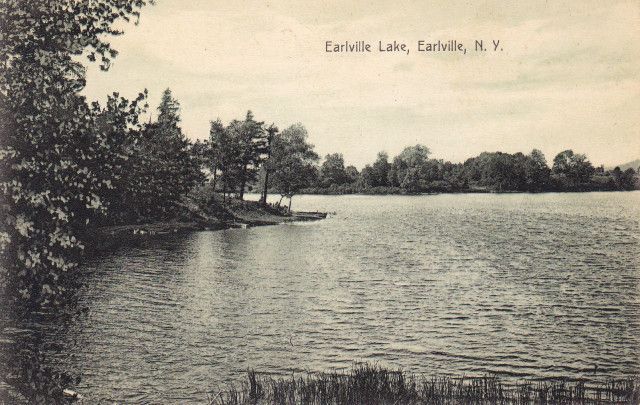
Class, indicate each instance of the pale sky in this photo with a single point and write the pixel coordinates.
(568, 75)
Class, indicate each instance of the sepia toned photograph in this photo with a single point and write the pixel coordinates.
(332, 202)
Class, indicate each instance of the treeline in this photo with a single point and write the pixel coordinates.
(413, 171)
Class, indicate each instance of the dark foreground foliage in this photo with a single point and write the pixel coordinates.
(371, 384)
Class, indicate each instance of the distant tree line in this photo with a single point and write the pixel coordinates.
(413, 171)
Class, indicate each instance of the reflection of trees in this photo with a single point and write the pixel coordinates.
(28, 374)
(35, 345)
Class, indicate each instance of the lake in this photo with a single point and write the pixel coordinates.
(517, 285)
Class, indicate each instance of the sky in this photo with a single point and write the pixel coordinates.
(567, 75)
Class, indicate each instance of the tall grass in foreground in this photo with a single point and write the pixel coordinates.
(371, 384)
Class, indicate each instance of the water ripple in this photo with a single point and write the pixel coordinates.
(523, 286)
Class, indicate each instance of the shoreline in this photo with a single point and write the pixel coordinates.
(106, 238)
(247, 214)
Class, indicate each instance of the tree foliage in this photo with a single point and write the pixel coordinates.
(573, 171)
(413, 171)
(153, 167)
(52, 140)
(332, 170)
(292, 161)
(238, 150)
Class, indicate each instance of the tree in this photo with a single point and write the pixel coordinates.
(380, 170)
(497, 171)
(453, 176)
(168, 164)
(504, 172)
(573, 170)
(49, 141)
(251, 139)
(168, 112)
(415, 158)
(292, 162)
(623, 180)
(120, 160)
(226, 150)
(271, 132)
(239, 150)
(332, 171)
(352, 174)
(201, 151)
(537, 172)
(411, 181)
(629, 179)
(367, 177)
(214, 158)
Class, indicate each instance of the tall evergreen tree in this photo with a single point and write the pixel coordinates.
(167, 163)
(271, 133)
(252, 140)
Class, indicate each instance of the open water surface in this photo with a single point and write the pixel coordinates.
(518, 285)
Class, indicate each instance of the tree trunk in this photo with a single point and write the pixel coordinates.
(290, 198)
(266, 186)
(224, 191)
(243, 182)
(266, 171)
(215, 180)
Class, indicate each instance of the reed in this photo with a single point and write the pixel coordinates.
(372, 384)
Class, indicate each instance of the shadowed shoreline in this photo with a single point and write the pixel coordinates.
(237, 214)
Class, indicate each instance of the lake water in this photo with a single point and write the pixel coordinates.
(522, 286)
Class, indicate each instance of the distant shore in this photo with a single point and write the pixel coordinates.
(399, 191)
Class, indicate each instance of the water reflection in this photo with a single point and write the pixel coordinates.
(31, 372)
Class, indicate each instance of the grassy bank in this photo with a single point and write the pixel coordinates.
(370, 384)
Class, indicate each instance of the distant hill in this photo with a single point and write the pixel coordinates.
(634, 165)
